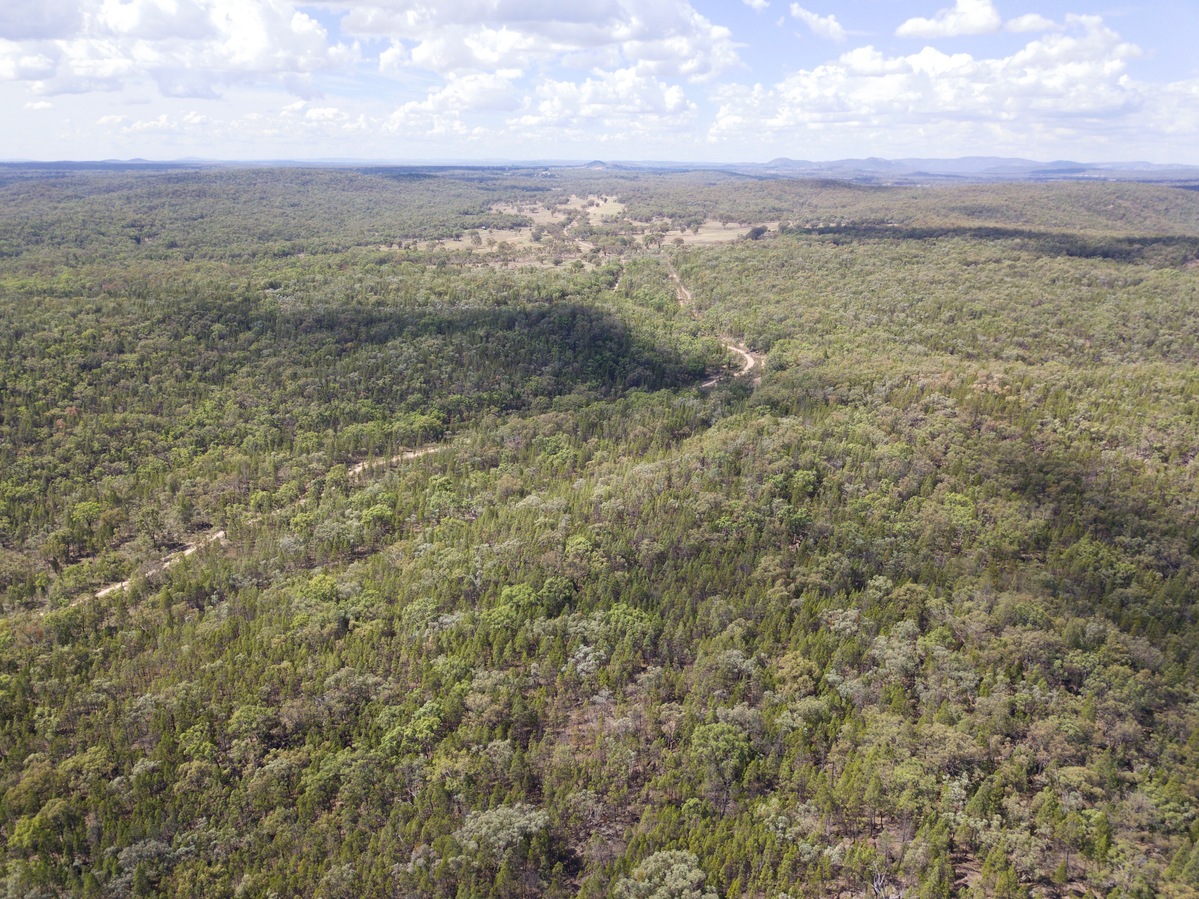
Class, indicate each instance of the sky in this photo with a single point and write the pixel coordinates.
(684, 80)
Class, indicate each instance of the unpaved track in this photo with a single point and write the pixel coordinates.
(748, 360)
(356, 473)
(373, 464)
(215, 537)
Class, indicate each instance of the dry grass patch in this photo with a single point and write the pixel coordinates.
(711, 232)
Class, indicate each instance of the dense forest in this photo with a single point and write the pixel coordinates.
(427, 532)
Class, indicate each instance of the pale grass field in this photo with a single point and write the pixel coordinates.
(508, 247)
(712, 232)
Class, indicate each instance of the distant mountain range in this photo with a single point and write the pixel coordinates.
(972, 168)
(925, 171)
(873, 170)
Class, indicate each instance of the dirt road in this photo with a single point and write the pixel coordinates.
(356, 472)
(748, 360)
(215, 537)
(372, 464)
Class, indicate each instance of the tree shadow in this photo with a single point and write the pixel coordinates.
(455, 359)
(1157, 250)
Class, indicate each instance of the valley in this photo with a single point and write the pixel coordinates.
(560, 531)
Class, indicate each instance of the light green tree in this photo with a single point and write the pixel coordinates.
(666, 875)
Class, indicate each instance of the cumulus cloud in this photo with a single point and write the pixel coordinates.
(965, 17)
(486, 54)
(156, 20)
(1079, 75)
(84, 66)
(188, 48)
(444, 110)
(161, 123)
(605, 106)
(529, 74)
(184, 82)
(324, 114)
(823, 26)
(1030, 22)
(969, 17)
(39, 19)
(478, 92)
(19, 62)
(394, 59)
(620, 100)
(666, 38)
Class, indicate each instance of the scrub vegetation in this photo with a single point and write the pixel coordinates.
(502, 579)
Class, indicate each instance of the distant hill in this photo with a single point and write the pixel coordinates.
(972, 168)
(874, 169)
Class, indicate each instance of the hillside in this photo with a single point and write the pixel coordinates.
(463, 558)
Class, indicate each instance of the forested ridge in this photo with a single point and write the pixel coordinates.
(911, 616)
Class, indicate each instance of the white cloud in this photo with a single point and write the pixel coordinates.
(324, 114)
(620, 62)
(155, 20)
(541, 77)
(606, 107)
(85, 66)
(668, 37)
(966, 17)
(823, 26)
(21, 63)
(970, 17)
(493, 47)
(188, 48)
(422, 121)
(163, 123)
(393, 60)
(479, 92)
(1030, 22)
(697, 55)
(198, 48)
(443, 110)
(1074, 83)
(615, 105)
(39, 19)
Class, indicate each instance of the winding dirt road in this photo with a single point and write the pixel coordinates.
(373, 464)
(749, 361)
(356, 473)
(215, 537)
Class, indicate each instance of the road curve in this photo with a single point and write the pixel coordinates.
(748, 363)
(748, 360)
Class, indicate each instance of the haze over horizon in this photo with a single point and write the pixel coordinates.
(738, 81)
